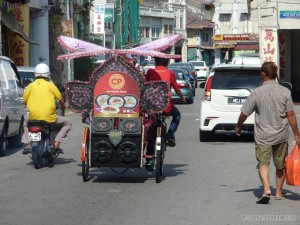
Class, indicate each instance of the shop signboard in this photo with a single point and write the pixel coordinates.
(99, 19)
(289, 14)
(230, 40)
(109, 12)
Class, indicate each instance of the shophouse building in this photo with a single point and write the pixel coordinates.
(279, 34)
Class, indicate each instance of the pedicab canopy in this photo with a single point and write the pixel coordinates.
(117, 88)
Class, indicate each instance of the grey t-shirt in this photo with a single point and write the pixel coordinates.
(270, 102)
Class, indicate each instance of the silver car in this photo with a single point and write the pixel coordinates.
(12, 110)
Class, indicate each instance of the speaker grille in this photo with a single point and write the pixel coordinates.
(128, 152)
(103, 151)
(131, 125)
(102, 124)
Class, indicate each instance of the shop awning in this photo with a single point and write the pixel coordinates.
(9, 20)
(207, 47)
(226, 8)
(247, 46)
(223, 45)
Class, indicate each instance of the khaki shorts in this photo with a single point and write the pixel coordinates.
(264, 152)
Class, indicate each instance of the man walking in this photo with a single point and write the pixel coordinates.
(274, 112)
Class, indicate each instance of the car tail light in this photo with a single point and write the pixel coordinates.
(34, 129)
(207, 96)
(193, 73)
(183, 85)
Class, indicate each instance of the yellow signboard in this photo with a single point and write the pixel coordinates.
(218, 37)
(19, 48)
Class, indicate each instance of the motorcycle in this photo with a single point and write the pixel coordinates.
(41, 137)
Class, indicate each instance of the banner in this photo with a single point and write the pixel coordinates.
(99, 19)
(19, 48)
(109, 13)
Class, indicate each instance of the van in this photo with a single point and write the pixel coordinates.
(12, 109)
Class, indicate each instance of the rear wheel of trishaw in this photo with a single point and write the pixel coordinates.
(85, 154)
(160, 153)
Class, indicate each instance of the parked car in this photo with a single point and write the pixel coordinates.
(184, 85)
(201, 68)
(12, 110)
(225, 91)
(191, 68)
(148, 64)
(26, 74)
(188, 75)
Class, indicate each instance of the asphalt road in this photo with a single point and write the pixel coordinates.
(214, 183)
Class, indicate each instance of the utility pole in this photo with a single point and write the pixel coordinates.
(70, 77)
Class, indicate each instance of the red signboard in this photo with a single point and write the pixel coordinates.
(116, 94)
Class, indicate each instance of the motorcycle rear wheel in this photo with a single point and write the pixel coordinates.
(38, 154)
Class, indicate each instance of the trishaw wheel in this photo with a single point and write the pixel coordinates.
(158, 166)
(85, 154)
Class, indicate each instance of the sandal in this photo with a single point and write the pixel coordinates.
(264, 199)
(58, 150)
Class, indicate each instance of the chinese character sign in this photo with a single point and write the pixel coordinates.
(19, 47)
(284, 56)
(269, 45)
(99, 17)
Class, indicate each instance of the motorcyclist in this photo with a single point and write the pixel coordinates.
(39, 98)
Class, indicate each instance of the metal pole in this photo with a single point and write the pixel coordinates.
(68, 61)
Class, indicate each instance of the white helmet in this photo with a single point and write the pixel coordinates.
(42, 70)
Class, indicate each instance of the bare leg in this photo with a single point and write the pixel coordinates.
(280, 177)
(264, 178)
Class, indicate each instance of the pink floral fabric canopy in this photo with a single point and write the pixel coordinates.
(78, 48)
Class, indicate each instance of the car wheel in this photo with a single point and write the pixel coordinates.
(206, 135)
(3, 144)
(16, 141)
(191, 99)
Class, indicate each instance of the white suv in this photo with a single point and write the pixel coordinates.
(225, 91)
(201, 68)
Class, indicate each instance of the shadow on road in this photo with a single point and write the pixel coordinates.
(129, 175)
(288, 194)
(10, 151)
(57, 161)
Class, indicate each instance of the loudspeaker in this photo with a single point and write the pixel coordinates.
(102, 125)
(127, 153)
(131, 126)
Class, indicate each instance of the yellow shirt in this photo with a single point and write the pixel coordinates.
(39, 98)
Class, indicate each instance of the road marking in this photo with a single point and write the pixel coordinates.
(114, 191)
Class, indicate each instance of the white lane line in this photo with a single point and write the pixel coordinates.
(189, 114)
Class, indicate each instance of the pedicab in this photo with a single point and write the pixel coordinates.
(120, 105)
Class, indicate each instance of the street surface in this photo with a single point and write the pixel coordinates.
(213, 183)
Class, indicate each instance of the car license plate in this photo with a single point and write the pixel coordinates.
(236, 100)
(34, 136)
